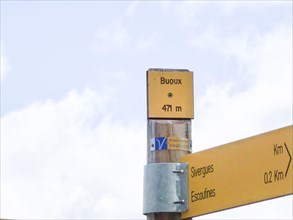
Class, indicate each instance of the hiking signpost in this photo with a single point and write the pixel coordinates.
(181, 185)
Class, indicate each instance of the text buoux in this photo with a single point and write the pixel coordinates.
(171, 81)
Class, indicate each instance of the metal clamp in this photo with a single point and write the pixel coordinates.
(165, 188)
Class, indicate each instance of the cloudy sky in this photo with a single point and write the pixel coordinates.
(73, 96)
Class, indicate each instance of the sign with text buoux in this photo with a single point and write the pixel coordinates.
(238, 173)
(170, 93)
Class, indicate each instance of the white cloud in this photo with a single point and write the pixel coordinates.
(132, 8)
(69, 159)
(112, 37)
(184, 11)
(5, 66)
(265, 104)
(187, 10)
(147, 42)
(230, 8)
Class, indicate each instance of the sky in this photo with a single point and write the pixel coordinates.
(73, 96)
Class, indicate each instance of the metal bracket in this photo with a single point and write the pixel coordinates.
(165, 188)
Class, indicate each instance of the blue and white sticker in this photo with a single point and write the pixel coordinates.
(159, 143)
(170, 143)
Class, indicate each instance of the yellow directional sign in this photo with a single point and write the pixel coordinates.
(239, 173)
(170, 93)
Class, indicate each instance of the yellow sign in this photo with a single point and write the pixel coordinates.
(170, 93)
(242, 172)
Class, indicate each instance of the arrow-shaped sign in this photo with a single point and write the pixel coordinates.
(239, 173)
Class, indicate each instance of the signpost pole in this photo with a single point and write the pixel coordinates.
(166, 128)
(170, 110)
